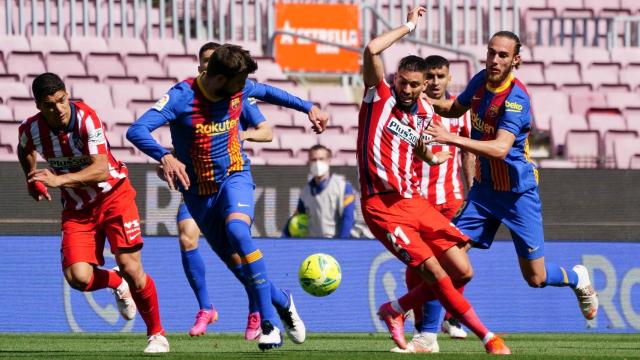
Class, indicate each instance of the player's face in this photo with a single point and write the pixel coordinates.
(500, 59)
(56, 109)
(408, 85)
(232, 85)
(437, 82)
(204, 60)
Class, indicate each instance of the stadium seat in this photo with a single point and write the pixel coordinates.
(624, 149)
(268, 69)
(551, 54)
(630, 75)
(65, 64)
(588, 55)
(610, 138)
(561, 73)
(344, 116)
(281, 157)
(13, 89)
(166, 82)
(143, 66)
(561, 124)
(122, 94)
(330, 94)
(105, 64)
(547, 103)
(95, 95)
(337, 143)
(291, 88)
(6, 114)
(582, 101)
(164, 47)
(126, 45)
(601, 73)
(25, 63)
(531, 72)
(87, 44)
(346, 158)
(625, 55)
(47, 44)
(582, 147)
(128, 154)
(257, 147)
(139, 106)
(296, 143)
(275, 116)
(603, 121)
(121, 80)
(622, 100)
(391, 56)
(614, 88)
(9, 43)
(181, 67)
(115, 115)
(631, 5)
(634, 163)
(556, 164)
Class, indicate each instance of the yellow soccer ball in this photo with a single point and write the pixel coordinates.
(320, 274)
(299, 225)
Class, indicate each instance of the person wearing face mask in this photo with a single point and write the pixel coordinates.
(327, 199)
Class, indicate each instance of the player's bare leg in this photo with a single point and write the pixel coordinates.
(535, 273)
(145, 296)
(87, 277)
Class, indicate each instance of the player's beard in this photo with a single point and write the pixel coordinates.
(500, 78)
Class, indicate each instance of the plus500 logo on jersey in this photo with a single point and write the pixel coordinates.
(214, 129)
(404, 132)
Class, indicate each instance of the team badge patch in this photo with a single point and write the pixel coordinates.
(159, 105)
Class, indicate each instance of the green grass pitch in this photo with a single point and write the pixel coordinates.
(318, 346)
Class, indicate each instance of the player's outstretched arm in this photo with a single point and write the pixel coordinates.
(449, 108)
(262, 132)
(372, 67)
(96, 172)
(495, 149)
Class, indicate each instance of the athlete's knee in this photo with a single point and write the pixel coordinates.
(463, 276)
(78, 278)
(430, 270)
(535, 280)
(130, 267)
(234, 260)
(238, 229)
(188, 241)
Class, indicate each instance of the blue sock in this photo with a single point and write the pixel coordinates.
(195, 271)
(279, 298)
(430, 317)
(559, 276)
(254, 269)
(237, 271)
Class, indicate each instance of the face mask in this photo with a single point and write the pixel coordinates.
(319, 168)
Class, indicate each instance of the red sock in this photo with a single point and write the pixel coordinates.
(447, 315)
(146, 300)
(413, 280)
(101, 279)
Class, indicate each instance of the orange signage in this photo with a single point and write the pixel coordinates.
(336, 23)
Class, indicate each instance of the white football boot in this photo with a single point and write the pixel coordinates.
(587, 297)
(271, 337)
(292, 322)
(421, 343)
(126, 305)
(157, 344)
(453, 328)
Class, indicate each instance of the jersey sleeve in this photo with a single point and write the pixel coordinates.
(465, 125)
(95, 140)
(465, 97)
(251, 114)
(276, 96)
(381, 91)
(517, 116)
(24, 137)
(165, 110)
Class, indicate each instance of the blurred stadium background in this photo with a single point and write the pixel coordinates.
(581, 66)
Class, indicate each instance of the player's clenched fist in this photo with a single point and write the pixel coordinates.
(173, 171)
(318, 118)
(415, 14)
(38, 191)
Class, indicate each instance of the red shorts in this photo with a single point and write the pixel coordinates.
(411, 229)
(450, 208)
(114, 217)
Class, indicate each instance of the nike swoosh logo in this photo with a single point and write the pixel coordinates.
(134, 236)
(243, 205)
(530, 250)
(476, 98)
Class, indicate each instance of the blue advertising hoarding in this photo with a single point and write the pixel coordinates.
(35, 298)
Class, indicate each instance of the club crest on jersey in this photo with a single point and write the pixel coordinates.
(159, 105)
(235, 102)
(404, 132)
(493, 111)
(96, 137)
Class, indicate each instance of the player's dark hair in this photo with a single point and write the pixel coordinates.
(230, 60)
(320, 147)
(515, 38)
(413, 63)
(46, 84)
(208, 46)
(436, 62)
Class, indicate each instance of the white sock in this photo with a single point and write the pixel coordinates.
(488, 337)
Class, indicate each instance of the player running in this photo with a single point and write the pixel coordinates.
(442, 185)
(98, 202)
(212, 169)
(391, 124)
(189, 235)
(506, 181)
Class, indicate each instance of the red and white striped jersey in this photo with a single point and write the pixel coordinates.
(386, 138)
(442, 183)
(69, 150)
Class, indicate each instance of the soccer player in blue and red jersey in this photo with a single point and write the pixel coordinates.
(212, 170)
(505, 189)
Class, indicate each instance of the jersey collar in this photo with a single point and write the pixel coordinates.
(502, 87)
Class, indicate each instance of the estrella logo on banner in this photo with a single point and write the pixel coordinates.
(336, 23)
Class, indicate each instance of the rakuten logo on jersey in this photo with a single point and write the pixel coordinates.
(214, 129)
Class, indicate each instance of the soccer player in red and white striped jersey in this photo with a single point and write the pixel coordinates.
(98, 202)
(443, 186)
(390, 129)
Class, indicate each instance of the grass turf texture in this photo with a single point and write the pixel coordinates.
(318, 346)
